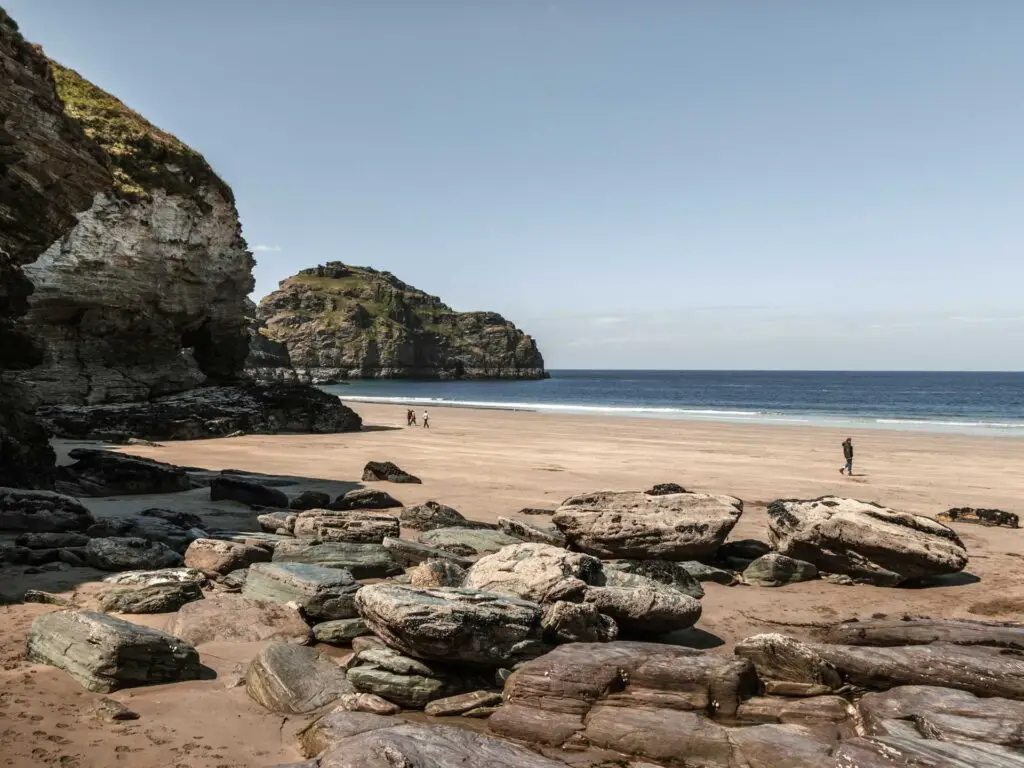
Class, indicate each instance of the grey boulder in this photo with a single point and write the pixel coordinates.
(775, 570)
(365, 498)
(104, 653)
(665, 572)
(363, 561)
(645, 608)
(161, 598)
(349, 526)
(468, 542)
(322, 594)
(130, 554)
(292, 679)
(532, 533)
(247, 492)
(41, 512)
(430, 515)
(540, 573)
(310, 500)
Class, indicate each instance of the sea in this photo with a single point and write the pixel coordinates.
(964, 403)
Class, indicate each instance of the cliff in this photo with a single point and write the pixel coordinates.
(339, 322)
(49, 170)
(145, 294)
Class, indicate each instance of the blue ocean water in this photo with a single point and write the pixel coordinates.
(973, 403)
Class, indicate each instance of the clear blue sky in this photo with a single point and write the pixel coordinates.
(656, 183)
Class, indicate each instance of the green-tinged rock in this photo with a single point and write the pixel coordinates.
(292, 679)
(340, 631)
(363, 561)
(322, 594)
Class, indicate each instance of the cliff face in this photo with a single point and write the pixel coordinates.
(338, 322)
(49, 171)
(145, 294)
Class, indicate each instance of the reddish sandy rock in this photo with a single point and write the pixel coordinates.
(223, 557)
(239, 619)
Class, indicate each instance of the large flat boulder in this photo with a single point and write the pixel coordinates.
(350, 526)
(130, 554)
(540, 573)
(637, 525)
(322, 594)
(468, 542)
(464, 625)
(223, 557)
(642, 607)
(933, 707)
(925, 631)
(426, 746)
(104, 653)
(160, 598)
(410, 553)
(238, 619)
(247, 492)
(104, 473)
(292, 679)
(363, 561)
(155, 577)
(41, 512)
(868, 542)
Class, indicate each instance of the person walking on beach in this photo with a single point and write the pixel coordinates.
(848, 455)
(426, 420)
(412, 418)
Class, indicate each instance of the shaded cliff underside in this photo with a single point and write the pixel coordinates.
(48, 171)
(337, 322)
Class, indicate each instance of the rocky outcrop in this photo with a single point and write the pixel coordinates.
(341, 322)
(49, 171)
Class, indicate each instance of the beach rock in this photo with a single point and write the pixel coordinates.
(635, 525)
(743, 549)
(157, 577)
(645, 610)
(152, 529)
(205, 412)
(902, 752)
(452, 624)
(272, 522)
(365, 498)
(366, 702)
(924, 631)
(921, 703)
(467, 542)
(234, 618)
(775, 570)
(41, 512)
(410, 553)
(291, 679)
(247, 492)
(547, 700)
(813, 711)
(531, 533)
(176, 517)
(464, 702)
(104, 473)
(223, 556)
(564, 622)
(105, 654)
(430, 515)
(535, 511)
(340, 631)
(539, 573)
(665, 572)
(352, 526)
(337, 321)
(416, 745)
(407, 690)
(363, 561)
(51, 540)
(161, 598)
(980, 517)
(258, 539)
(339, 724)
(130, 554)
(46, 598)
(868, 542)
(310, 500)
(386, 471)
(702, 572)
(322, 594)
(436, 573)
(665, 489)
(780, 659)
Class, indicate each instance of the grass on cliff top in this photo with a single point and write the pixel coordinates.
(139, 152)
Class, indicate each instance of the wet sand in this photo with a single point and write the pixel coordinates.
(491, 463)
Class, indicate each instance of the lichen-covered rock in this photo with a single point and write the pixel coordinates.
(322, 594)
(41, 512)
(211, 411)
(352, 526)
(104, 653)
(337, 321)
(223, 556)
(410, 553)
(363, 561)
(246, 492)
(130, 554)
(437, 573)
(865, 541)
(662, 571)
(539, 573)
(430, 515)
(468, 542)
(386, 471)
(234, 618)
(291, 679)
(775, 570)
(155, 577)
(159, 598)
(637, 525)
(452, 624)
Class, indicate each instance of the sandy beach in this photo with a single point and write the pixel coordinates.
(492, 463)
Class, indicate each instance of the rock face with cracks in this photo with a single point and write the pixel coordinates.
(868, 542)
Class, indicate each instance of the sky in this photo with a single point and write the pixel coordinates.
(804, 184)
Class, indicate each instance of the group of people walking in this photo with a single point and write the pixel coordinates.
(410, 419)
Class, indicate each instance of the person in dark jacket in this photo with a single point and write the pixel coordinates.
(848, 455)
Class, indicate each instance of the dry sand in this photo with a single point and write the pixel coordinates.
(491, 463)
